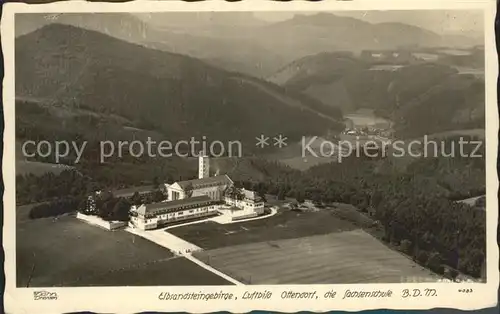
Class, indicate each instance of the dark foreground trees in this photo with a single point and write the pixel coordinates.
(110, 208)
(55, 208)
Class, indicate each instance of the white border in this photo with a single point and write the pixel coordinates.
(136, 299)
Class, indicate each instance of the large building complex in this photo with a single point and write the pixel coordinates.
(197, 199)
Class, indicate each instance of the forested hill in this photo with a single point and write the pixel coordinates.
(178, 96)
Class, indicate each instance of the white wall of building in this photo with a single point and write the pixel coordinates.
(173, 190)
(247, 205)
(94, 220)
(143, 223)
(214, 192)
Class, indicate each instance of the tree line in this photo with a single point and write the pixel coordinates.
(104, 205)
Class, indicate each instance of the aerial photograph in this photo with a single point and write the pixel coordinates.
(249, 148)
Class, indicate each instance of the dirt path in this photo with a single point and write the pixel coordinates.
(179, 247)
(165, 239)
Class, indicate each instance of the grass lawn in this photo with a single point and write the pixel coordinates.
(23, 211)
(176, 271)
(284, 225)
(69, 252)
(336, 258)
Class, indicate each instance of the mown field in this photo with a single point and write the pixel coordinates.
(336, 258)
(68, 252)
(283, 225)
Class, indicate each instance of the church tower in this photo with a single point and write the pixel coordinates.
(203, 166)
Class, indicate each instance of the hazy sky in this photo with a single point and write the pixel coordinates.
(437, 21)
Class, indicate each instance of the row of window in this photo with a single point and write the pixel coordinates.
(255, 204)
(180, 213)
(251, 204)
(182, 208)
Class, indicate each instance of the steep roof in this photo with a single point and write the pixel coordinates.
(173, 206)
(205, 182)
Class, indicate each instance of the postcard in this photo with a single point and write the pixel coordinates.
(235, 156)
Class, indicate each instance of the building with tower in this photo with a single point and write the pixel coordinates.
(212, 187)
(203, 166)
(197, 199)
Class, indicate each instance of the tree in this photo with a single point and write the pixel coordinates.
(375, 199)
(480, 202)
(103, 209)
(451, 273)
(235, 193)
(405, 246)
(317, 199)
(83, 206)
(121, 210)
(422, 257)
(136, 199)
(148, 198)
(189, 189)
(239, 194)
(434, 262)
(281, 194)
(158, 196)
(106, 196)
(54, 208)
(300, 197)
(262, 195)
(156, 182)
